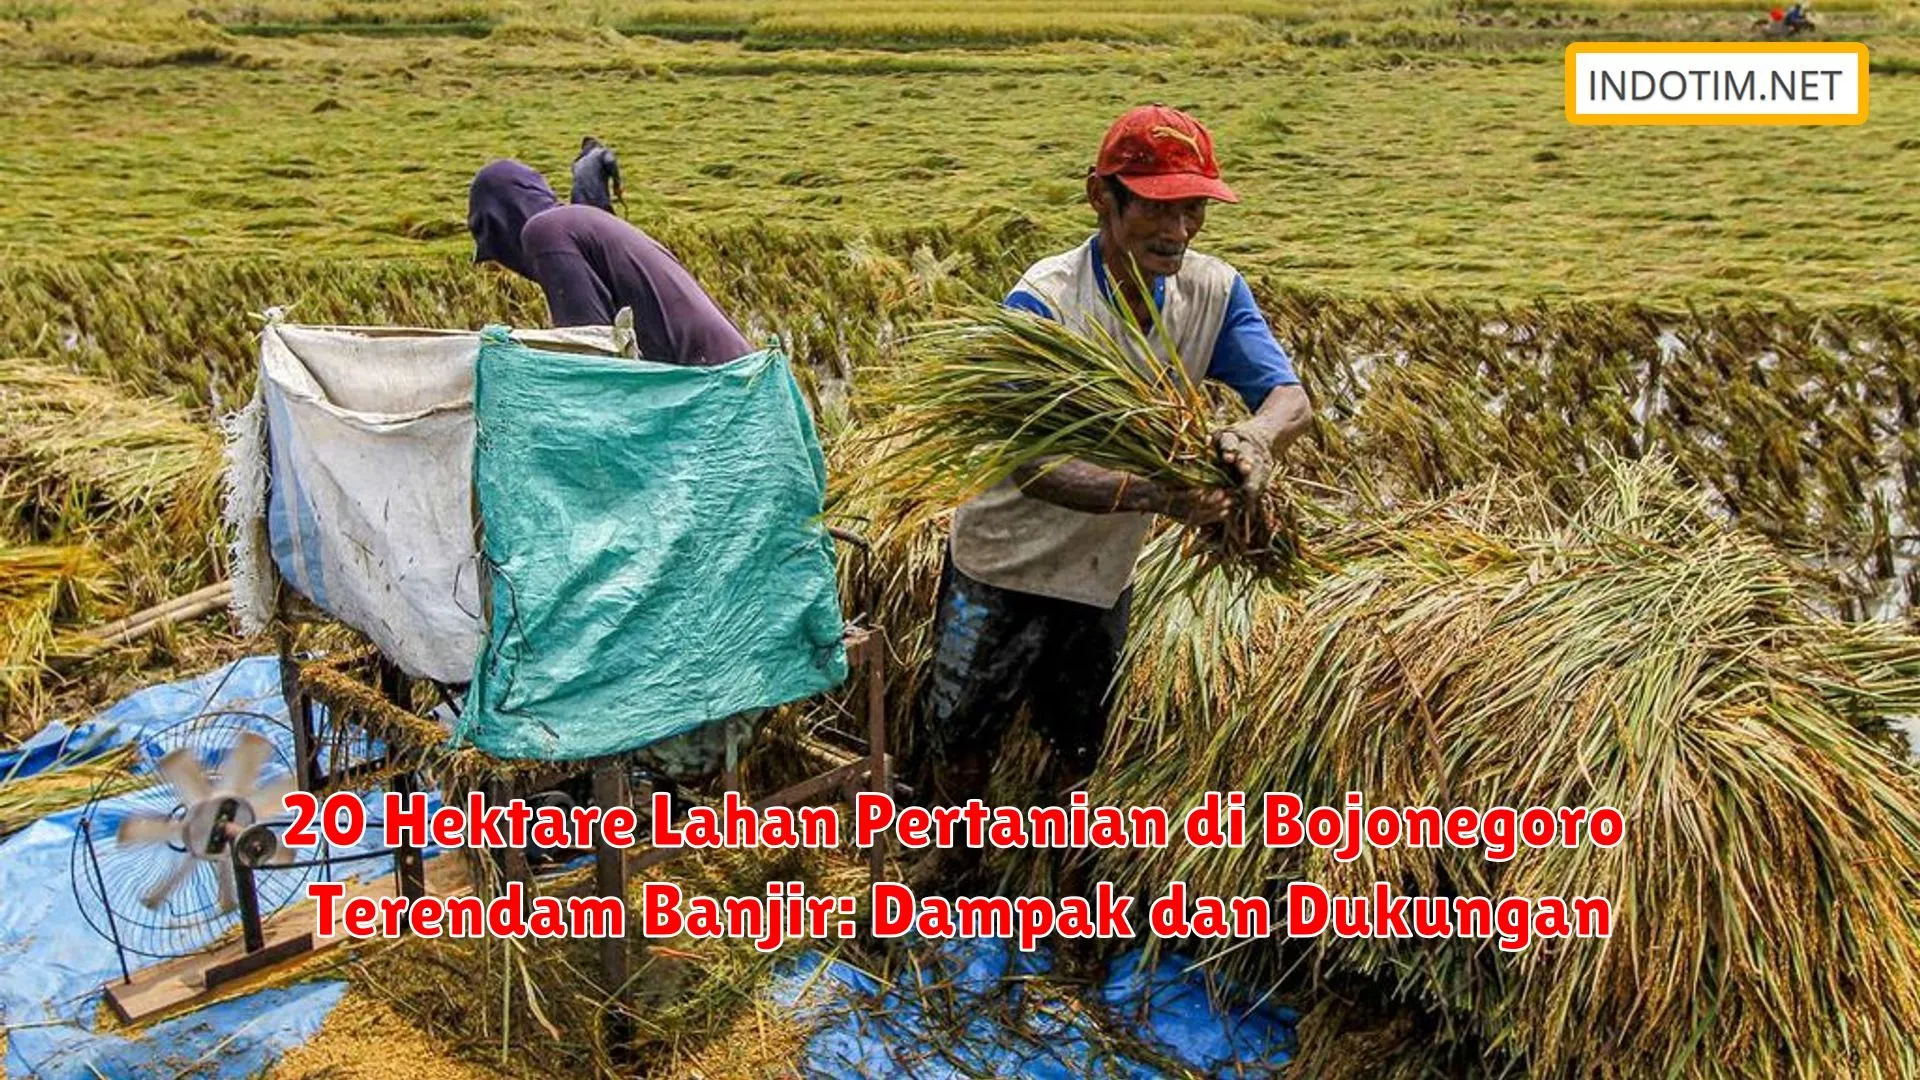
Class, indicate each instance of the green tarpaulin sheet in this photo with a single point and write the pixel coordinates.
(655, 556)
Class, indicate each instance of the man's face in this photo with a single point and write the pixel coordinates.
(1154, 233)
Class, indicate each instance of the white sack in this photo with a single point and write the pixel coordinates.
(368, 508)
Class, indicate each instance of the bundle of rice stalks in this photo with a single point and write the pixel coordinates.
(39, 587)
(995, 391)
(95, 450)
(26, 800)
(136, 479)
(1489, 651)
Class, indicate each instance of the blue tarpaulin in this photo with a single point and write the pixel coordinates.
(53, 966)
(251, 684)
(960, 1015)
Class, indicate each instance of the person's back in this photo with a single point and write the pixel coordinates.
(593, 172)
(591, 264)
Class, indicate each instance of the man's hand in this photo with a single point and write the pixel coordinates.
(1248, 458)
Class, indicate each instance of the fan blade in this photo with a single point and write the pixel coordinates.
(270, 801)
(243, 763)
(229, 895)
(184, 774)
(149, 829)
(157, 895)
(282, 855)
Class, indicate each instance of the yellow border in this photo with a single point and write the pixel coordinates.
(1579, 47)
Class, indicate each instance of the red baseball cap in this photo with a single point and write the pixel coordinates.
(1162, 153)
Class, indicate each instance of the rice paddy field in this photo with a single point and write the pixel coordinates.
(1473, 289)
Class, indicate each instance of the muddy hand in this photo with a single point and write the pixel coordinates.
(1248, 460)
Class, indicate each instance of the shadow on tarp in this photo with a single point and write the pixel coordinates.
(53, 964)
(966, 1011)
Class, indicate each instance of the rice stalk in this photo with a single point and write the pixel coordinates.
(1492, 650)
(40, 587)
(542, 1009)
(123, 455)
(26, 800)
(994, 391)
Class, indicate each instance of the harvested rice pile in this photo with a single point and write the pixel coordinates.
(109, 506)
(1633, 653)
(95, 450)
(41, 587)
(536, 1009)
(1560, 641)
(362, 1039)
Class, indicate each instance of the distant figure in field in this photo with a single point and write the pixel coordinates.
(594, 171)
(591, 264)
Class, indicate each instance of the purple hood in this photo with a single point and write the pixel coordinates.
(500, 200)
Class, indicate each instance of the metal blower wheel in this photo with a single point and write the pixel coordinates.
(152, 869)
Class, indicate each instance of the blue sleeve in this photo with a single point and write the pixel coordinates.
(1022, 300)
(1246, 357)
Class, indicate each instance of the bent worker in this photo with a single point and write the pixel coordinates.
(596, 170)
(591, 264)
(1035, 590)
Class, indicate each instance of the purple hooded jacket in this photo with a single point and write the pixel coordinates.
(591, 264)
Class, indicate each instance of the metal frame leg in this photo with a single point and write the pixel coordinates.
(306, 749)
(879, 776)
(408, 869)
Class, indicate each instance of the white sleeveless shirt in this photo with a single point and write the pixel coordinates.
(1013, 541)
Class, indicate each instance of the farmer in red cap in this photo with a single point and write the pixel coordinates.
(1036, 584)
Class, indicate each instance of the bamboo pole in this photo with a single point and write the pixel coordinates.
(217, 594)
(143, 623)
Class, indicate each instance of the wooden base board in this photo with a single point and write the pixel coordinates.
(174, 984)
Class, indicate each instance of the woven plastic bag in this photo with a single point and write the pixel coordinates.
(350, 479)
(653, 551)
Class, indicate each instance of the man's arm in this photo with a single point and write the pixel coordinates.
(575, 294)
(1248, 359)
(612, 168)
(1095, 489)
(1250, 447)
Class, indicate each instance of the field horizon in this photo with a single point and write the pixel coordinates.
(1442, 166)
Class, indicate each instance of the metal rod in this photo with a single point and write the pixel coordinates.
(498, 792)
(113, 926)
(345, 778)
(407, 867)
(877, 777)
(610, 877)
(407, 870)
(249, 902)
